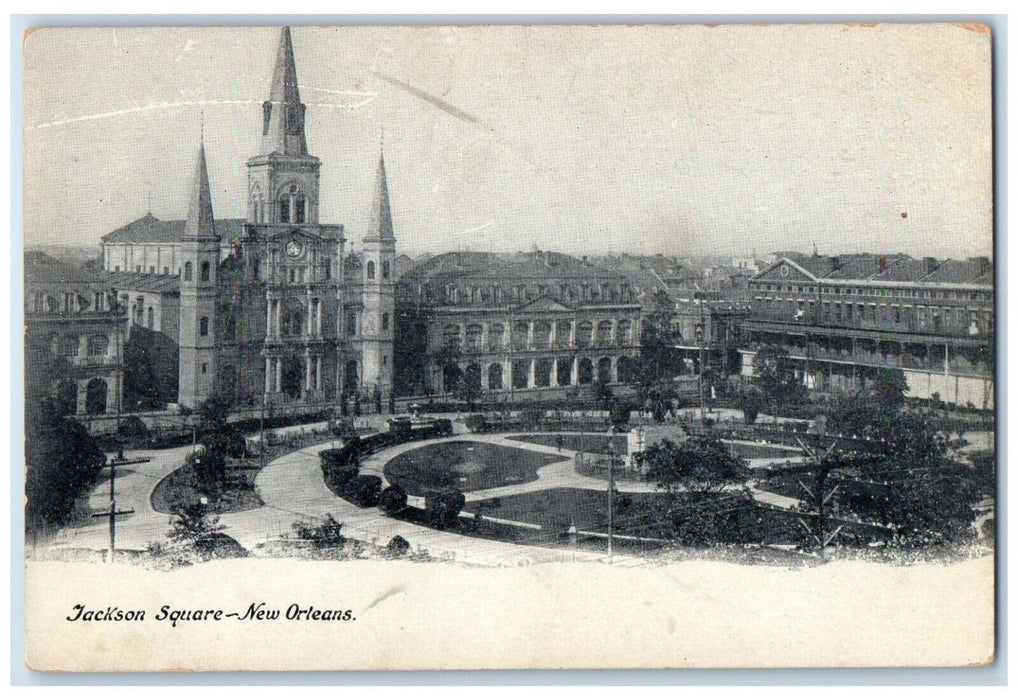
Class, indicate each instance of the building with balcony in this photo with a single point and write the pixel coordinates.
(528, 322)
(73, 338)
(845, 318)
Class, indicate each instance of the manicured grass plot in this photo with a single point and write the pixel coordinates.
(464, 465)
(582, 442)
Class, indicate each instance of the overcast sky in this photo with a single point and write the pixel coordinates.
(684, 140)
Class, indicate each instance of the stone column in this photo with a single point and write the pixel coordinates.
(614, 370)
(318, 373)
(553, 338)
(484, 337)
(278, 304)
(530, 335)
(574, 373)
(307, 371)
(572, 334)
(554, 370)
(83, 348)
(615, 332)
(268, 375)
(532, 374)
(279, 374)
(268, 317)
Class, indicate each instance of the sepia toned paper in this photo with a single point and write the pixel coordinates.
(593, 142)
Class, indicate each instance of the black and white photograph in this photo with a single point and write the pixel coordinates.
(509, 347)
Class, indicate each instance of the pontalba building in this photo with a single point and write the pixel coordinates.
(537, 324)
(261, 309)
(843, 319)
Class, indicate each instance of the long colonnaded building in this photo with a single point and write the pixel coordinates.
(534, 324)
(845, 318)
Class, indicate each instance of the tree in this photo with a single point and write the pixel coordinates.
(774, 376)
(62, 460)
(700, 506)
(195, 527)
(701, 462)
(911, 485)
(889, 388)
(601, 394)
(658, 359)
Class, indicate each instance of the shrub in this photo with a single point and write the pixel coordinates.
(476, 423)
(363, 490)
(531, 417)
(133, 429)
(344, 429)
(444, 507)
(397, 547)
(393, 500)
(327, 534)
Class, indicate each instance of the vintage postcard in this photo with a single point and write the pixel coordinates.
(509, 347)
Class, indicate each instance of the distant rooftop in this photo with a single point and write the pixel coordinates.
(894, 268)
(144, 282)
(149, 229)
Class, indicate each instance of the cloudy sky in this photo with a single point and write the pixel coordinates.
(685, 140)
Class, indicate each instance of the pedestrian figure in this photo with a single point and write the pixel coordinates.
(558, 442)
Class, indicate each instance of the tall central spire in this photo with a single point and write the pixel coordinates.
(283, 113)
(200, 223)
(381, 214)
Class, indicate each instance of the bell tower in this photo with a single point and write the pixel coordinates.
(379, 253)
(200, 253)
(283, 177)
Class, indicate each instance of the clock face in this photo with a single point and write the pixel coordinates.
(294, 248)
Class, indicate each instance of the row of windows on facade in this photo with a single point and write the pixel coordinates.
(953, 294)
(96, 345)
(493, 294)
(291, 208)
(940, 318)
(68, 303)
(542, 335)
(293, 274)
(543, 371)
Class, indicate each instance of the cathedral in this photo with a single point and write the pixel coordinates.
(270, 309)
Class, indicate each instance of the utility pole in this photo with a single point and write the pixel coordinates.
(700, 339)
(611, 488)
(112, 513)
(817, 495)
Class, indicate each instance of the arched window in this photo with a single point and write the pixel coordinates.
(188, 272)
(302, 210)
(205, 271)
(203, 326)
(151, 318)
(371, 269)
(385, 269)
(98, 345)
(385, 321)
(284, 210)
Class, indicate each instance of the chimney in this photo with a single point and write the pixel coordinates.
(584, 259)
(929, 265)
(836, 262)
(882, 263)
(982, 264)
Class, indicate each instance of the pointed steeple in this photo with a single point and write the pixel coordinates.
(381, 214)
(200, 223)
(283, 113)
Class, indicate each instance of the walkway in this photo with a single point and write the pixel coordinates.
(292, 488)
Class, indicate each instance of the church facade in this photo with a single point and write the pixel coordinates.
(263, 309)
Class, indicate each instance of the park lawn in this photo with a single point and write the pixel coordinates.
(464, 465)
(177, 487)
